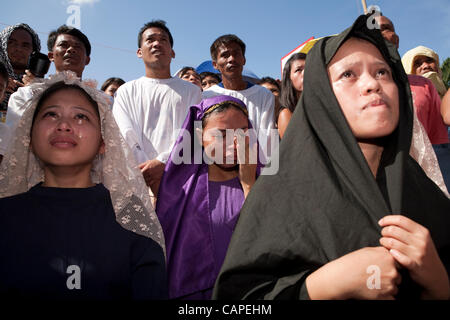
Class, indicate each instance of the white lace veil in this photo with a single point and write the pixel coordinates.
(116, 168)
(422, 151)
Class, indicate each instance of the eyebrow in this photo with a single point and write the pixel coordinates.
(352, 64)
(84, 109)
(70, 41)
(75, 107)
(225, 130)
(158, 35)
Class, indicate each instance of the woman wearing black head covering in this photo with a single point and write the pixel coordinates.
(349, 210)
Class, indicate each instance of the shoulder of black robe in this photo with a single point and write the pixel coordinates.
(324, 201)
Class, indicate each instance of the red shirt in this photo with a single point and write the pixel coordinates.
(427, 105)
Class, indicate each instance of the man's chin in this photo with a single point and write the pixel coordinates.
(228, 167)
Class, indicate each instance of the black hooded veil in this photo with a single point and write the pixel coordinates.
(324, 202)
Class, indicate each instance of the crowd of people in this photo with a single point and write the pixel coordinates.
(160, 188)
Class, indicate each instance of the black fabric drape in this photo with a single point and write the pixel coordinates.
(324, 202)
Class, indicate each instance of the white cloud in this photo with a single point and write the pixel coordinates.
(81, 2)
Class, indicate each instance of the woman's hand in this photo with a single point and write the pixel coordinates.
(350, 276)
(412, 247)
(247, 164)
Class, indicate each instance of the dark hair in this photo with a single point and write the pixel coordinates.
(60, 86)
(221, 108)
(205, 74)
(186, 69)
(224, 40)
(288, 97)
(111, 81)
(160, 24)
(271, 81)
(4, 72)
(73, 32)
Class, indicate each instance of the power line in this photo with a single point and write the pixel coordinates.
(94, 43)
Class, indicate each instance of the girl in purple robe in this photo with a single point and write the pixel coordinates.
(202, 191)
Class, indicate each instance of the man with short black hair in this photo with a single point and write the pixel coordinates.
(69, 49)
(151, 109)
(228, 56)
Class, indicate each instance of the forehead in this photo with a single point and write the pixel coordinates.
(21, 35)
(209, 78)
(68, 96)
(382, 20)
(189, 72)
(298, 62)
(69, 38)
(229, 46)
(420, 59)
(154, 31)
(354, 50)
(113, 85)
(231, 115)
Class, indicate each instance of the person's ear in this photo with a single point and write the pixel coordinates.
(172, 54)
(139, 53)
(88, 59)
(214, 63)
(50, 56)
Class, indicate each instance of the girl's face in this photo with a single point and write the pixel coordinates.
(66, 131)
(111, 89)
(364, 87)
(208, 81)
(215, 135)
(192, 77)
(297, 68)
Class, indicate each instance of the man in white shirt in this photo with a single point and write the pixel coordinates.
(228, 56)
(151, 109)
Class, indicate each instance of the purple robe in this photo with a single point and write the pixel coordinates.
(188, 221)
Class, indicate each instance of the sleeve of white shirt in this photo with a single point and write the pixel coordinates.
(266, 126)
(267, 118)
(129, 129)
(194, 98)
(16, 107)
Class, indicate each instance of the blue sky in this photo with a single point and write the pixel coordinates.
(270, 29)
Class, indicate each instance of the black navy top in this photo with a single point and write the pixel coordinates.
(58, 243)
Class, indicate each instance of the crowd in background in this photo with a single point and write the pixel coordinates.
(138, 190)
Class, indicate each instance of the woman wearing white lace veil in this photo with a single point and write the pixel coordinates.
(68, 229)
